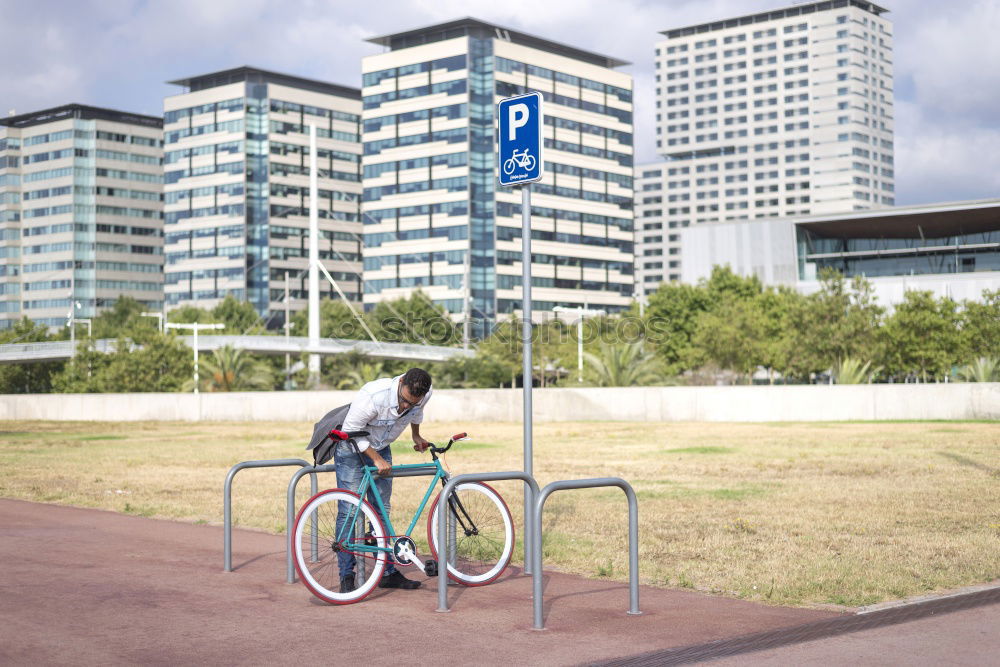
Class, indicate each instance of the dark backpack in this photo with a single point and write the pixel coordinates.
(327, 434)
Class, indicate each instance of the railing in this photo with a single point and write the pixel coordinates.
(633, 538)
(442, 525)
(227, 508)
(532, 520)
(56, 350)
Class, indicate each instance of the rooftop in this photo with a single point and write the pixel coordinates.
(762, 17)
(471, 26)
(923, 221)
(81, 111)
(256, 75)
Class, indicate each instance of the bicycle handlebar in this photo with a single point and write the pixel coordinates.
(434, 449)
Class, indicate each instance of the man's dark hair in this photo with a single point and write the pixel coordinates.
(418, 381)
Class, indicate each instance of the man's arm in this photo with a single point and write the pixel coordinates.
(362, 412)
(419, 443)
(379, 462)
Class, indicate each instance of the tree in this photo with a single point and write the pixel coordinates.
(733, 334)
(482, 370)
(623, 365)
(723, 283)
(161, 363)
(27, 378)
(336, 320)
(240, 317)
(230, 369)
(983, 369)
(921, 336)
(188, 314)
(124, 318)
(670, 322)
(415, 319)
(778, 306)
(501, 351)
(840, 320)
(980, 325)
(852, 371)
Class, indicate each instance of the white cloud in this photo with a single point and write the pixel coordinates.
(119, 53)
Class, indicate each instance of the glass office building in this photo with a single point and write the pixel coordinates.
(433, 215)
(80, 213)
(781, 113)
(950, 248)
(236, 173)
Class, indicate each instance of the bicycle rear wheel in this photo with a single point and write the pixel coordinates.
(482, 540)
(316, 545)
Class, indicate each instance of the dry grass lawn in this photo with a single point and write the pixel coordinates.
(789, 513)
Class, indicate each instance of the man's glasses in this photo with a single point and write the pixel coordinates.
(403, 401)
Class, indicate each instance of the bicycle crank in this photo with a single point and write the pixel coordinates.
(405, 552)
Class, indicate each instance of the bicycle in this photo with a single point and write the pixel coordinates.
(523, 159)
(480, 542)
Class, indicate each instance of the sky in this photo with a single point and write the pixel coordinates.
(121, 53)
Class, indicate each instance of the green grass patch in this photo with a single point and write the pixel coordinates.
(797, 513)
(701, 450)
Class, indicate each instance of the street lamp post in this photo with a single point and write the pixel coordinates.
(640, 296)
(582, 313)
(195, 326)
(288, 325)
(71, 316)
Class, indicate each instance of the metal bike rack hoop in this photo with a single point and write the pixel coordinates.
(227, 504)
(290, 510)
(633, 539)
(442, 525)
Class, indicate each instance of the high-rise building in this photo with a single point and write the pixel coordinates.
(81, 213)
(236, 173)
(785, 112)
(434, 216)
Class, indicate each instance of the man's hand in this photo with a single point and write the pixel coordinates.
(419, 443)
(383, 466)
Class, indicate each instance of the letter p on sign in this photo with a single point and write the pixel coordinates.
(517, 117)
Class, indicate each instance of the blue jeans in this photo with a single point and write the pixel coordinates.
(349, 475)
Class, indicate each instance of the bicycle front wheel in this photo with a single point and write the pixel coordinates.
(317, 544)
(480, 534)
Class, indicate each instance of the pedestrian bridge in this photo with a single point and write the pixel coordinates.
(26, 353)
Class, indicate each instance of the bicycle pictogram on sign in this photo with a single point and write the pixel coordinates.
(522, 159)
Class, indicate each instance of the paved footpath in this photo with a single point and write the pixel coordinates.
(83, 586)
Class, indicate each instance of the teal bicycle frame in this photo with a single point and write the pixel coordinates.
(347, 532)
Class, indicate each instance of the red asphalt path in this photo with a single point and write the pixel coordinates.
(80, 586)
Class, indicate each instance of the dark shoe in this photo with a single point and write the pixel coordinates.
(397, 580)
(347, 584)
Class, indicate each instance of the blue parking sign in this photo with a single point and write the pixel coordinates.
(520, 140)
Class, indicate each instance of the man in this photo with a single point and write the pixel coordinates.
(384, 408)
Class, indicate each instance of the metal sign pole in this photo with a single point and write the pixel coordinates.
(519, 163)
(527, 382)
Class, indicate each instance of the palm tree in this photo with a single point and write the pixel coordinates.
(852, 371)
(983, 369)
(623, 365)
(229, 369)
(361, 375)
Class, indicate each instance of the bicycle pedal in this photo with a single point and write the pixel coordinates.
(430, 568)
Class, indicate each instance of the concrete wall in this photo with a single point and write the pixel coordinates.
(750, 404)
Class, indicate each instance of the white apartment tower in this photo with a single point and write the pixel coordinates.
(434, 216)
(782, 113)
(236, 172)
(81, 213)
